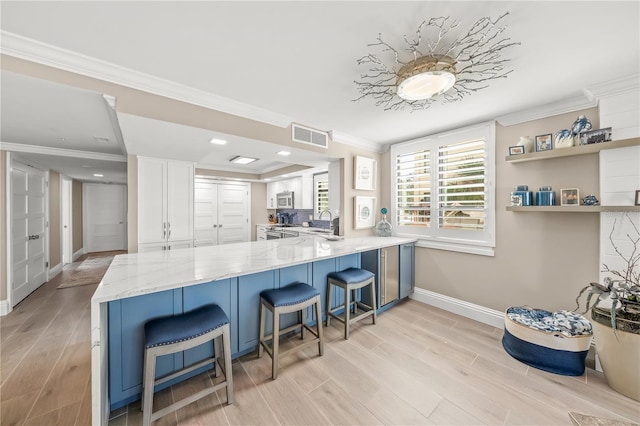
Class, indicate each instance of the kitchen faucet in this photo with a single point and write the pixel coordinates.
(330, 218)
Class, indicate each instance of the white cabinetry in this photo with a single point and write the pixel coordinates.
(165, 204)
(221, 212)
(261, 232)
(301, 187)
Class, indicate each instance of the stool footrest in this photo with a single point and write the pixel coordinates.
(185, 371)
(186, 401)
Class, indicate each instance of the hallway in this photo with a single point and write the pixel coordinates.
(45, 369)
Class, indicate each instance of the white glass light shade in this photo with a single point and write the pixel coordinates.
(426, 77)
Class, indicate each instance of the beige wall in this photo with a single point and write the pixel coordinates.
(259, 212)
(76, 215)
(3, 226)
(541, 259)
(54, 219)
(132, 203)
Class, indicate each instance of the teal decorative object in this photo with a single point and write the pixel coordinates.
(383, 228)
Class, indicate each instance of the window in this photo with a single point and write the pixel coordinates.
(443, 189)
(320, 194)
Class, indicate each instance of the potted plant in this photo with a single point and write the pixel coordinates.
(616, 323)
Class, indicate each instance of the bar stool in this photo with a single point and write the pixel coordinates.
(351, 280)
(292, 298)
(178, 333)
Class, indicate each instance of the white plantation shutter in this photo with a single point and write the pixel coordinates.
(320, 193)
(443, 189)
(413, 189)
(461, 189)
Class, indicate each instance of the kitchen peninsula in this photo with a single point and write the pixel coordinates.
(141, 286)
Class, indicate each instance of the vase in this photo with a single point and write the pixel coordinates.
(582, 124)
(618, 353)
(563, 139)
(383, 228)
(527, 143)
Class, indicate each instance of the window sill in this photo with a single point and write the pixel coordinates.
(460, 248)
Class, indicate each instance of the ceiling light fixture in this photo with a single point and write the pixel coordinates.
(98, 175)
(242, 160)
(446, 65)
(218, 141)
(284, 153)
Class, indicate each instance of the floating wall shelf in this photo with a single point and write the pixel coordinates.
(573, 209)
(570, 152)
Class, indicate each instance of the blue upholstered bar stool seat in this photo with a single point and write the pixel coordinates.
(177, 333)
(292, 298)
(351, 280)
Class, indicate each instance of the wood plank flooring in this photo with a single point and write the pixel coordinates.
(417, 365)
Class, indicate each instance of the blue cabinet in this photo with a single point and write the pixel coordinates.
(249, 288)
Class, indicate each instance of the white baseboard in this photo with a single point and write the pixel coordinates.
(460, 307)
(77, 254)
(55, 270)
(4, 307)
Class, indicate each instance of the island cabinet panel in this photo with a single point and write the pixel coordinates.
(249, 288)
(126, 342)
(289, 275)
(321, 269)
(407, 270)
(218, 292)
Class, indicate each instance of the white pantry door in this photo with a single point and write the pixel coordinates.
(28, 201)
(105, 217)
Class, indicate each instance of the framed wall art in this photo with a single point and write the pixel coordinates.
(570, 197)
(364, 212)
(364, 173)
(543, 142)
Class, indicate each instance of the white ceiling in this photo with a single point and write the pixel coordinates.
(297, 60)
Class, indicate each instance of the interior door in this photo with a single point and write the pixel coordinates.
(233, 214)
(105, 217)
(28, 192)
(205, 213)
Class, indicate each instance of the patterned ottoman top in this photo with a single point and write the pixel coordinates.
(566, 323)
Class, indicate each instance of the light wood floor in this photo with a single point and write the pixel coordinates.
(418, 365)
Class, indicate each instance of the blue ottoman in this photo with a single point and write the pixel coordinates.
(557, 342)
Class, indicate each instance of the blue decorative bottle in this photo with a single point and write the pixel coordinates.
(383, 228)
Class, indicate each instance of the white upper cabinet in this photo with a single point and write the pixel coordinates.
(165, 201)
(301, 187)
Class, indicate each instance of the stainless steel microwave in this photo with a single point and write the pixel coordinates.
(284, 200)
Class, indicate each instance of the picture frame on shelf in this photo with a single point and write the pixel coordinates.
(595, 136)
(570, 197)
(637, 197)
(516, 150)
(516, 200)
(364, 173)
(544, 142)
(364, 212)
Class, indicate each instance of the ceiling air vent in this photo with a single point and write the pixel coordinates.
(309, 136)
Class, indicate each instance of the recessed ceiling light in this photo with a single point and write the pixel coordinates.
(285, 175)
(267, 180)
(242, 160)
(98, 175)
(283, 153)
(218, 141)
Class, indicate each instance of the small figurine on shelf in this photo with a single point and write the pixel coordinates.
(383, 228)
(590, 200)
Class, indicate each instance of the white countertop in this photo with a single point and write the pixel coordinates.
(142, 273)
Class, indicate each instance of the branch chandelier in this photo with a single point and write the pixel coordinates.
(452, 68)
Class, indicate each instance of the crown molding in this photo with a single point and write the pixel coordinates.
(37, 149)
(548, 110)
(35, 51)
(347, 139)
(615, 87)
